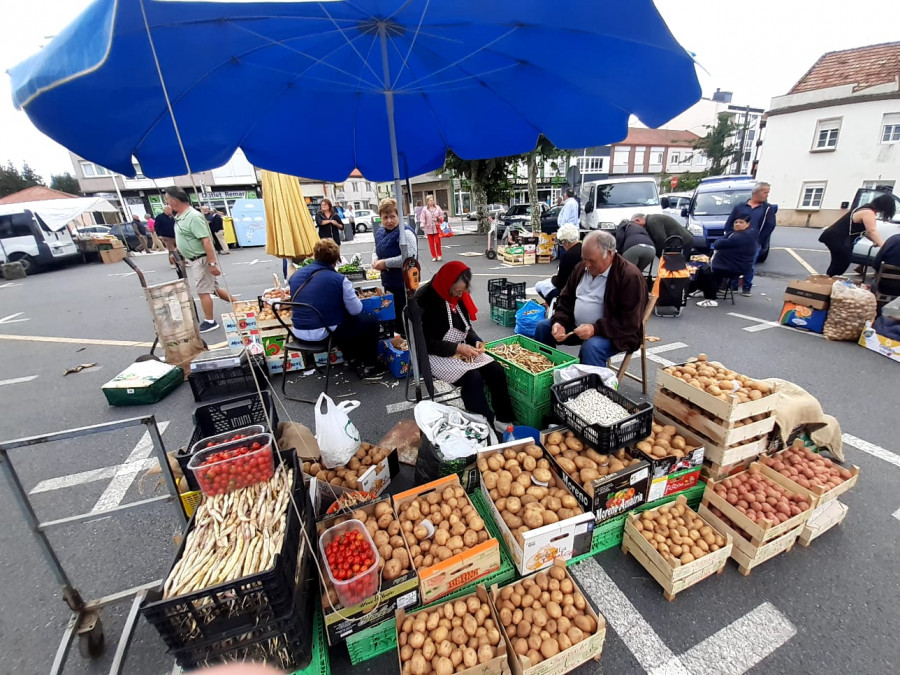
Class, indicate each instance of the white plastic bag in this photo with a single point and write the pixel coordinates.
(336, 435)
(456, 432)
(576, 370)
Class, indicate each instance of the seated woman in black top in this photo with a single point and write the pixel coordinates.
(733, 257)
(455, 352)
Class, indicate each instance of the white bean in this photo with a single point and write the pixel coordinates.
(595, 408)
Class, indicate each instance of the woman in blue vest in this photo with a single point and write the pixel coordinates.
(320, 285)
(388, 257)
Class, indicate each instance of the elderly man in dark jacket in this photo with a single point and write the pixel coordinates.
(602, 305)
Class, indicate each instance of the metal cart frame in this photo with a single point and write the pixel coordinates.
(85, 623)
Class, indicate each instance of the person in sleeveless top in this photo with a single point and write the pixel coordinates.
(840, 236)
(389, 256)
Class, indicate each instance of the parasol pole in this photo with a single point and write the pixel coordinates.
(392, 132)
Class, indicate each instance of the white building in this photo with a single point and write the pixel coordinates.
(835, 131)
(356, 192)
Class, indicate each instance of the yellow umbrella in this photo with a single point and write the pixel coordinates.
(290, 231)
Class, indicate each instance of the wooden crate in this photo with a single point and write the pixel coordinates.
(716, 472)
(543, 259)
(766, 531)
(828, 515)
(822, 495)
(724, 437)
(674, 579)
(745, 553)
(725, 410)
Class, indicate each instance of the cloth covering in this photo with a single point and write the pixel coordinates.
(445, 278)
(798, 408)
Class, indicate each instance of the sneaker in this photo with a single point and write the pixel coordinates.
(440, 258)
(747, 294)
(434, 260)
(207, 326)
(707, 303)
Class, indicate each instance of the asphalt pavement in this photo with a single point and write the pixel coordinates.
(829, 608)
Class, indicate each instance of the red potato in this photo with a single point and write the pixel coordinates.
(759, 498)
(807, 468)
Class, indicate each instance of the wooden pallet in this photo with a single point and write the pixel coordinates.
(826, 516)
(745, 553)
(759, 533)
(727, 441)
(673, 579)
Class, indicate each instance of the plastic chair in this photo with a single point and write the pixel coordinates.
(312, 347)
(623, 367)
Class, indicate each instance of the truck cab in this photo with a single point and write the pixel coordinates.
(609, 201)
(710, 206)
(864, 251)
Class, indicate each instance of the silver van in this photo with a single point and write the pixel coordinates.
(26, 238)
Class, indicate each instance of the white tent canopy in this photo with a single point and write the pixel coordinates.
(56, 213)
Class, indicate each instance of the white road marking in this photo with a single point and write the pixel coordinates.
(12, 318)
(896, 514)
(741, 645)
(9, 284)
(126, 472)
(510, 267)
(804, 250)
(131, 274)
(75, 341)
(733, 650)
(397, 407)
(765, 324)
(18, 380)
(84, 477)
(251, 262)
(872, 449)
(652, 352)
(809, 268)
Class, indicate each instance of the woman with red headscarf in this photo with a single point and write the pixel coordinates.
(455, 352)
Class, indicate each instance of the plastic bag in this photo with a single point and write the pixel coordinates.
(576, 370)
(455, 432)
(528, 316)
(851, 307)
(336, 435)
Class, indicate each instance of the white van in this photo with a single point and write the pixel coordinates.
(609, 201)
(27, 239)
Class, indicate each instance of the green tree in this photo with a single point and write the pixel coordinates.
(12, 180)
(718, 144)
(689, 181)
(543, 152)
(487, 178)
(65, 182)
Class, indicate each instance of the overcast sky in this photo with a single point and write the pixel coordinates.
(756, 49)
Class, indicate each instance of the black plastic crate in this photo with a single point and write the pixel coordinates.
(236, 607)
(355, 276)
(225, 416)
(207, 384)
(632, 429)
(290, 636)
(505, 295)
(385, 330)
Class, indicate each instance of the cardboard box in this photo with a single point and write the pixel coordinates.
(804, 318)
(295, 362)
(113, 255)
(342, 622)
(335, 358)
(460, 570)
(673, 483)
(273, 342)
(813, 292)
(613, 495)
(879, 344)
(565, 661)
(380, 306)
(374, 479)
(496, 666)
(660, 468)
(546, 244)
(396, 360)
(566, 539)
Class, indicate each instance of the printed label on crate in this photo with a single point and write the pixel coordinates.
(408, 600)
(674, 482)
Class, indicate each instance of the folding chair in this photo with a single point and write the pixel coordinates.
(726, 290)
(294, 344)
(887, 278)
(623, 368)
(420, 367)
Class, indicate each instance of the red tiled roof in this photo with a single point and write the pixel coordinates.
(355, 174)
(638, 136)
(36, 193)
(862, 66)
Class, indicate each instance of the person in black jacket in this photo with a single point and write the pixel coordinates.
(635, 244)
(568, 238)
(733, 257)
(661, 227)
(455, 352)
(888, 254)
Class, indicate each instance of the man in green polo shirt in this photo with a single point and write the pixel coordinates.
(192, 237)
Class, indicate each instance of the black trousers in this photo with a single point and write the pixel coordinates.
(357, 337)
(710, 281)
(493, 377)
(399, 303)
(840, 257)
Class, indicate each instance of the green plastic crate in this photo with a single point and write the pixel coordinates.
(531, 413)
(528, 386)
(319, 663)
(382, 638)
(503, 317)
(609, 534)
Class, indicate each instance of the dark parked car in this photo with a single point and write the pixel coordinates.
(125, 233)
(548, 220)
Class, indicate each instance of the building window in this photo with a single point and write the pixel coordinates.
(826, 134)
(620, 160)
(699, 159)
(747, 156)
(590, 164)
(90, 170)
(138, 172)
(890, 128)
(751, 134)
(811, 195)
(674, 158)
(656, 157)
(639, 159)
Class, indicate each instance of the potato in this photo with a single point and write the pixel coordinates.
(485, 653)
